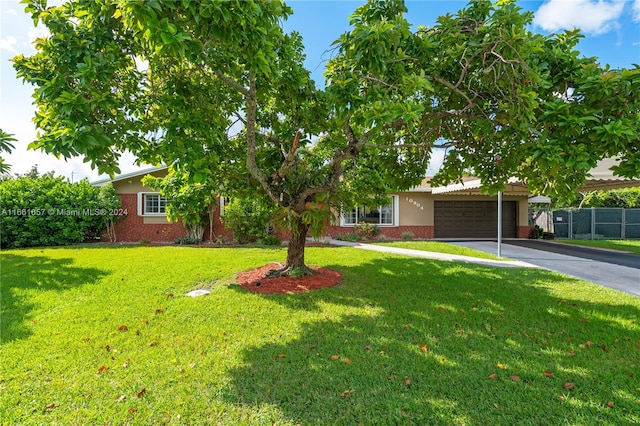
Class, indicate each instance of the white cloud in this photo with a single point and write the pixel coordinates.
(8, 43)
(12, 12)
(636, 10)
(591, 16)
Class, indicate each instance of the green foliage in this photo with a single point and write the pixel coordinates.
(271, 240)
(248, 219)
(366, 231)
(408, 235)
(5, 146)
(627, 198)
(536, 233)
(188, 240)
(351, 236)
(186, 200)
(48, 210)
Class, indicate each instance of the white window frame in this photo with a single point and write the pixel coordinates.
(395, 208)
(142, 211)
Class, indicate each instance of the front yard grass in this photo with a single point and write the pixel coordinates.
(441, 247)
(632, 246)
(107, 336)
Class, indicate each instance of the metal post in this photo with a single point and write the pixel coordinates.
(499, 223)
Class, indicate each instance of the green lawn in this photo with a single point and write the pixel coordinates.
(632, 246)
(441, 247)
(106, 336)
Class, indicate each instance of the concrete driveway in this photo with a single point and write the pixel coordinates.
(613, 269)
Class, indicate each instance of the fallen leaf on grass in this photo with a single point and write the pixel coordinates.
(103, 368)
(346, 393)
(548, 373)
(141, 393)
(501, 366)
(571, 353)
(368, 347)
(390, 376)
(347, 360)
(603, 347)
(153, 343)
(569, 386)
(493, 376)
(282, 356)
(133, 410)
(123, 328)
(159, 311)
(334, 357)
(423, 348)
(610, 404)
(406, 326)
(120, 398)
(50, 406)
(169, 295)
(515, 378)
(407, 382)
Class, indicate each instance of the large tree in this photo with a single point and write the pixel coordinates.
(168, 81)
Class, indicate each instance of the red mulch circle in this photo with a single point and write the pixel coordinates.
(255, 281)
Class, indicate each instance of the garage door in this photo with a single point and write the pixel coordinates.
(473, 219)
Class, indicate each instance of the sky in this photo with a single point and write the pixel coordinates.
(611, 29)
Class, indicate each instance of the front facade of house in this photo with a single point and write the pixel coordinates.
(455, 211)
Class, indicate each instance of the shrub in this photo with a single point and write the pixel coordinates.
(366, 231)
(47, 210)
(407, 235)
(247, 218)
(188, 240)
(271, 240)
(536, 233)
(347, 237)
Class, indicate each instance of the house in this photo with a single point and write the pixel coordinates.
(453, 211)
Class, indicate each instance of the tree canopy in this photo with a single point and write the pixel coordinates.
(172, 81)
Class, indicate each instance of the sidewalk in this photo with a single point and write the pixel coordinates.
(435, 255)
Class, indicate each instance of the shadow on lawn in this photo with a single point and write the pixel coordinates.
(26, 273)
(413, 346)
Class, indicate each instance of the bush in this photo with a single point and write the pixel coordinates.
(347, 237)
(407, 235)
(536, 233)
(247, 219)
(47, 211)
(188, 240)
(271, 240)
(366, 231)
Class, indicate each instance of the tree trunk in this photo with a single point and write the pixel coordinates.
(295, 252)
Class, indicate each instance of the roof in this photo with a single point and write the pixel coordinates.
(601, 177)
(102, 182)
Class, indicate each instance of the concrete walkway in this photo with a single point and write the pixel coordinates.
(435, 255)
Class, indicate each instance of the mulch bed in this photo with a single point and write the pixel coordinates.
(254, 280)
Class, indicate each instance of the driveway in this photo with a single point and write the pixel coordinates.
(617, 270)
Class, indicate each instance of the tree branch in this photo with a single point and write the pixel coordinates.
(233, 84)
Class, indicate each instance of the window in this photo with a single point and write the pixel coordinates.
(151, 204)
(383, 215)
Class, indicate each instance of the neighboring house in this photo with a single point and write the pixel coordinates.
(454, 211)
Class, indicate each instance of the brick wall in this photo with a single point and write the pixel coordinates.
(524, 231)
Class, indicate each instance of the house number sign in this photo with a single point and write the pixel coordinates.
(415, 203)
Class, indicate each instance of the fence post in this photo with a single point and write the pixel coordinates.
(570, 233)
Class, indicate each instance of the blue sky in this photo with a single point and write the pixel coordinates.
(611, 29)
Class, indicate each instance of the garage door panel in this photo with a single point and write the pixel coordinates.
(473, 219)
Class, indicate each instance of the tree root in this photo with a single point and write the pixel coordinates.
(290, 271)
